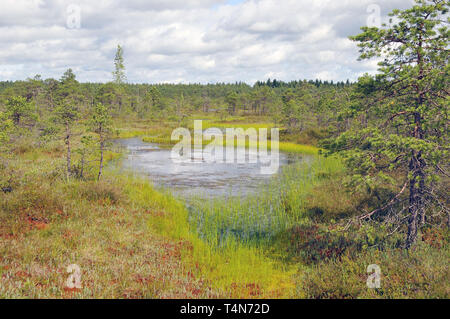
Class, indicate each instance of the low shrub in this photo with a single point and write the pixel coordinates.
(421, 273)
(103, 190)
(314, 243)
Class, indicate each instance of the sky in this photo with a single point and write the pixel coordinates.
(188, 41)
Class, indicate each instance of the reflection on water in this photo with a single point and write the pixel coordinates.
(198, 178)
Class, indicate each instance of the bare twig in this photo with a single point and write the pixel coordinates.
(393, 200)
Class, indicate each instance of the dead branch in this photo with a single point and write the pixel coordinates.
(393, 201)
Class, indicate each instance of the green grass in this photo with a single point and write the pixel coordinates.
(124, 133)
(234, 269)
(245, 125)
(283, 146)
(161, 133)
(298, 148)
(256, 220)
(94, 226)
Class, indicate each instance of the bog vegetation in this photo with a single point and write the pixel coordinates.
(376, 193)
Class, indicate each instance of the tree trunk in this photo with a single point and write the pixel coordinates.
(68, 150)
(414, 209)
(416, 189)
(82, 167)
(16, 119)
(101, 161)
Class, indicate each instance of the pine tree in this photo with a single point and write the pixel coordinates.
(66, 110)
(119, 76)
(406, 143)
(101, 125)
(18, 109)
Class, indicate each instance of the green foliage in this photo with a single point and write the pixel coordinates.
(112, 95)
(67, 100)
(85, 150)
(412, 88)
(232, 100)
(67, 90)
(101, 121)
(49, 129)
(155, 98)
(67, 113)
(399, 116)
(19, 110)
(101, 124)
(6, 125)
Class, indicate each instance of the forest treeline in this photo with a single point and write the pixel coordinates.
(305, 111)
(294, 103)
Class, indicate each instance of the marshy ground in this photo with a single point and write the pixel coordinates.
(132, 241)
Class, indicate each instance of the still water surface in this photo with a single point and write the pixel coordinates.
(198, 178)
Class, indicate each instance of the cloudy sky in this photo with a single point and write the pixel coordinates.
(187, 41)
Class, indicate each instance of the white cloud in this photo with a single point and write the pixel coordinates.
(186, 41)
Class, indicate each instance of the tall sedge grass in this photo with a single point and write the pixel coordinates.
(254, 221)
